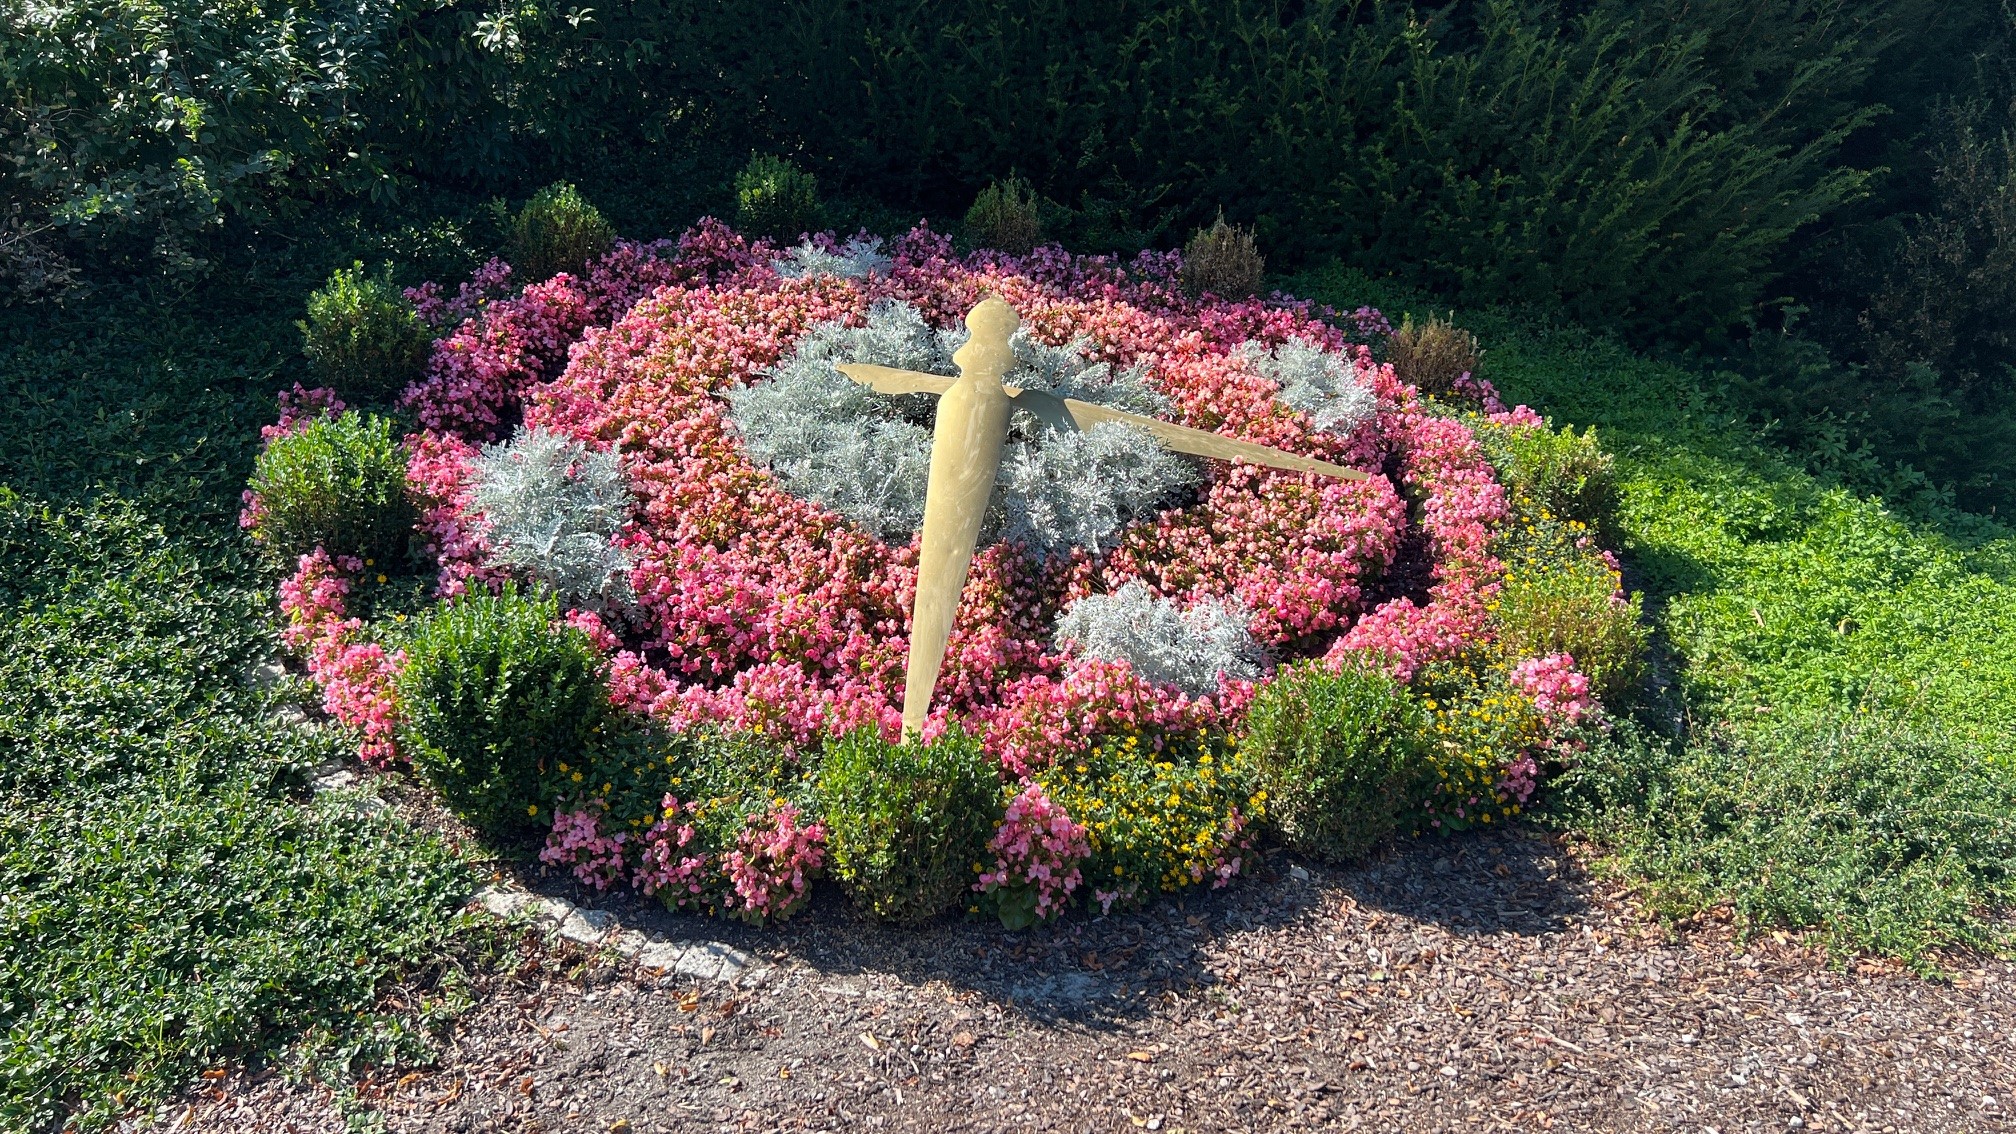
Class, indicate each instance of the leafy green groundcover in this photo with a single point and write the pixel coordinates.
(1848, 675)
(168, 897)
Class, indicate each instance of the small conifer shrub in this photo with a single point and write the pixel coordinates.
(1436, 357)
(905, 823)
(337, 483)
(1339, 754)
(1222, 260)
(557, 231)
(496, 693)
(774, 198)
(362, 335)
(1004, 217)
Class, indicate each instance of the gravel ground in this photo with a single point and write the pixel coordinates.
(1476, 984)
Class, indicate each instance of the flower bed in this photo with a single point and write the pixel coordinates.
(1101, 640)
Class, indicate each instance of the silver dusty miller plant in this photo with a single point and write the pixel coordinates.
(868, 456)
(551, 507)
(1164, 643)
(1315, 381)
(860, 256)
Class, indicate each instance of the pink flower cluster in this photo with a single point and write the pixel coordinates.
(771, 868)
(1038, 845)
(355, 674)
(578, 843)
(673, 866)
(1460, 503)
(481, 371)
(1556, 688)
(766, 877)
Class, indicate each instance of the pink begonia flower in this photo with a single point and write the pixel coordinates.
(1037, 845)
(355, 674)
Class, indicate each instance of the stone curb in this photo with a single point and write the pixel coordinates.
(598, 929)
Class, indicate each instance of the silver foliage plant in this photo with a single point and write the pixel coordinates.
(860, 256)
(1322, 384)
(1164, 643)
(551, 507)
(867, 456)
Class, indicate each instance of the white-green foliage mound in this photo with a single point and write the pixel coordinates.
(1162, 641)
(867, 456)
(1317, 382)
(551, 508)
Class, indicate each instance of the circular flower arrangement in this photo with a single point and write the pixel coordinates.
(1125, 606)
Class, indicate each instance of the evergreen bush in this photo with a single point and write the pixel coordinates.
(775, 198)
(493, 696)
(557, 231)
(906, 823)
(362, 335)
(1004, 217)
(337, 483)
(1222, 260)
(1340, 755)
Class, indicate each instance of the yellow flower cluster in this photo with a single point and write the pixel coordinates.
(1473, 733)
(1157, 820)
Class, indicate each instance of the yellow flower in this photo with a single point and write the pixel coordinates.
(577, 777)
(381, 576)
(532, 809)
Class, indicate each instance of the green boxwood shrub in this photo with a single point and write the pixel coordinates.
(494, 696)
(905, 823)
(362, 335)
(775, 198)
(339, 483)
(1339, 754)
(557, 231)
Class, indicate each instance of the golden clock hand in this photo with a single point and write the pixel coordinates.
(888, 380)
(1179, 438)
(966, 442)
(1070, 415)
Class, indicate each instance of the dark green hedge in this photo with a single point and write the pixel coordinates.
(1643, 162)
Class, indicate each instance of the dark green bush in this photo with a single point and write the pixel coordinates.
(775, 198)
(338, 483)
(1005, 217)
(362, 335)
(493, 699)
(1340, 755)
(1882, 836)
(905, 823)
(1222, 260)
(557, 231)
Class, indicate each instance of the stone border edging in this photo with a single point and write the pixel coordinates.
(599, 929)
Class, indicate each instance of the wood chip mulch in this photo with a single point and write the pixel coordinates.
(1482, 983)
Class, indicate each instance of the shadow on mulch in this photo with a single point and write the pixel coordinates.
(1101, 973)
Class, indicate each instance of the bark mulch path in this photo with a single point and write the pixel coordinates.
(1480, 983)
